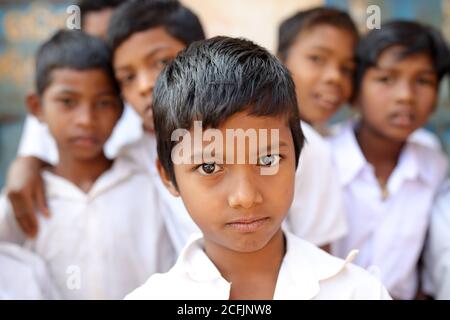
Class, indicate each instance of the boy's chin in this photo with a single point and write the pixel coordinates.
(87, 155)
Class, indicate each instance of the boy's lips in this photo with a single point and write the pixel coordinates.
(404, 119)
(84, 141)
(328, 100)
(248, 225)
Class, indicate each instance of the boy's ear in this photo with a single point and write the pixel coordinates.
(34, 107)
(166, 180)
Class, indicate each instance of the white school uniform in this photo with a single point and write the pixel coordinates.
(37, 141)
(436, 257)
(101, 244)
(306, 272)
(317, 212)
(24, 275)
(388, 233)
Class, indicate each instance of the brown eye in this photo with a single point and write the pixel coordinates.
(269, 160)
(207, 169)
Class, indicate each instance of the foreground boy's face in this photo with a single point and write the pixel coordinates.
(322, 64)
(398, 96)
(80, 109)
(138, 61)
(233, 204)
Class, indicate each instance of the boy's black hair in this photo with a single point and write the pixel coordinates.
(88, 6)
(414, 37)
(140, 15)
(304, 20)
(73, 50)
(213, 79)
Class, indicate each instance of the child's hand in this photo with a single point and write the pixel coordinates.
(25, 190)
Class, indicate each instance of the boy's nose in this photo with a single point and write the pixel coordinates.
(404, 92)
(244, 192)
(85, 116)
(146, 82)
(332, 74)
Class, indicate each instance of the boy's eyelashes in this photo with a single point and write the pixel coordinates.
(66, 101)
(125, 80)
(210, 168)
(317, 59)
(70, 102)
(391, 79)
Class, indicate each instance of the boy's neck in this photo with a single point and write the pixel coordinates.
(252, 275)
(381, 152)
(83, 173)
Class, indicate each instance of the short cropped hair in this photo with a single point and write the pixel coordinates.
(141, 15)
(214, 79)
(413, 37)
(74, 50)
(308, 19)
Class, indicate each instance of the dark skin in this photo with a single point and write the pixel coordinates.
(80, 109)
(321, 61)
(243, 237)
(137, 63)
(397, 97)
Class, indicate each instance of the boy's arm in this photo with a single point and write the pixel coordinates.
(24, 186)
(10, 231)
(25, 191)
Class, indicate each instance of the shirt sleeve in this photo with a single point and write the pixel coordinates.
(317, 212)
(36, 141)
(436, 275)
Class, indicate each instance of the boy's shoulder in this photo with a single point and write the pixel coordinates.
(142, 153)
(193, 277)
(337, 278)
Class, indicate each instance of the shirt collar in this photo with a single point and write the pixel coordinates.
(302, 268)
(57, 186)
(347, 154)
(417, 161)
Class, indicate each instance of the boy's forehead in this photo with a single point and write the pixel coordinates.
(89, 80)
(143, 43)
(391, 56)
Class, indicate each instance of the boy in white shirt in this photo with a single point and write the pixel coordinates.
(239, 195)
(390, 180)
(106, 234)
(144, 35)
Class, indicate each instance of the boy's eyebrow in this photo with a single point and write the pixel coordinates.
(106, 93)
(67, 91)
(322, 48)
(263, 149)
(392, 69)
(149, 54)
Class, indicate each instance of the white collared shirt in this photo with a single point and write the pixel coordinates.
(436, 257)
(101, 244)
(317, 212)
(388, 233)
(306, 272)
(24, 275)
